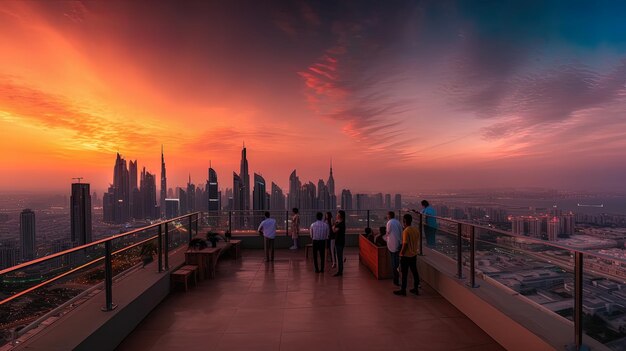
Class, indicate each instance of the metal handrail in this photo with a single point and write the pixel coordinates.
(98, 242)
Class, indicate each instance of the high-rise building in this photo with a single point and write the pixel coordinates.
(398, 202)
(148, 191)
(363, 202)
(388, 201)
(346, 199)
(191, 196)
(308, 197)
(554, 228)
(237, 193)
(163, 184)
(27, 235)
(293, 198)
(172, 208)
(80, 214)
(259, 193)
(377, 201)
(108, 209)
(212, 191)
(116, 202)
(245, 180)
(277, 198)
(323, 196)
(132, 185)
(331, 188)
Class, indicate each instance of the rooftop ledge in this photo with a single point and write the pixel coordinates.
(254, 305)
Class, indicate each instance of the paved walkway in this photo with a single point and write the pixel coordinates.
(284, 306)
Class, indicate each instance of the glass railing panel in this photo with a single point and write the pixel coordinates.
(441, 235)
(604, 301)
(74, 282)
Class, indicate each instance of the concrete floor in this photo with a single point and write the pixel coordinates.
(283, 306)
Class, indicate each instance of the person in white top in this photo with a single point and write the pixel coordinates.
(319, 234)
(267, 228)
(394, 243)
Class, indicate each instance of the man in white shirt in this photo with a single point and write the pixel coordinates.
(319, 234)
(394, 243)
(267, 228)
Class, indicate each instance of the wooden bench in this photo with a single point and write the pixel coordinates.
(376, 258)
(307, 249)
(181, 276)
(194, 270)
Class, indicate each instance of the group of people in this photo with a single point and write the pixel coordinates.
(326, 234)
(402, 241)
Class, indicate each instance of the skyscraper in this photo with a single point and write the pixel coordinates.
(191, 196)
(308, 198)
(116, 204)
(293, 198)
(245, 180)
(132, 185)
(331, 188)
(237, 192)
(148, 195)
(163, 183)
(259, 193)
(182, 202)
(388, 201)
(346, 199)
(398, 202)
(80, 213)
(212, 191)
(323, 196)
(27, 235)
(277, 198)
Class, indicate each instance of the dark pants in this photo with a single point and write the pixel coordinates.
(395, 263)
(339, 250)
(407, 263)
(319, 247)
(269, 248)
(430, 236)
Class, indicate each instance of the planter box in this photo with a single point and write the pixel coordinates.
(376, 258)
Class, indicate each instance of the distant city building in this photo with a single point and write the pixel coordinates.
(182, 202)
(346, 199)
(259, 193)
(388, 204)
(397, 202)
(238, 193)
(164, 192)
(323, 196)
(308, 198)
(80, 214)
(212, 191)
(172, 208)
(377, 201)
(293, 198)
(277, 198)
(27, 235)
(132, 185)
(363, 202)
(116, 202)
(245, 180)
(191, 196)
(148, 191)
(9, 255)
(330, 184)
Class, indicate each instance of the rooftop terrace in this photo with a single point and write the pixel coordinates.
(252, 305)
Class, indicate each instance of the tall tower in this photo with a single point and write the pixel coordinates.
(163, 183)
(212, 192)
(27, 234)
(132, 187)
(245, 180)
(294, 190)
(259, 193)
(121, 191)
(80, 213)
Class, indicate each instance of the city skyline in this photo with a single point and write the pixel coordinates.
(467, 100)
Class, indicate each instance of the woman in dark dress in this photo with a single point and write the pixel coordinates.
(331, 239)
(339, 229)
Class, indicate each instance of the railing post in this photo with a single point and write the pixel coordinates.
(167, 247)
(108, 278)
(422, 235)
(189, 228)
(459, 252)
(286, 223)
(160, 249)
(368, 218)
(230, 222)
(473, 257)
(578, 299)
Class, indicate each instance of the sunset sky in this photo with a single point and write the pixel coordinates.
(404, 96)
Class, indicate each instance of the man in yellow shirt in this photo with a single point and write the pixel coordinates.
(408, 255)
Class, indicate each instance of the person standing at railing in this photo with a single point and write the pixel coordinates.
(394, 242)
(339, 229)
(295, 228)
(408, 255)
(267, 228)
(430, 227)
(328, 218)
(319, 234)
